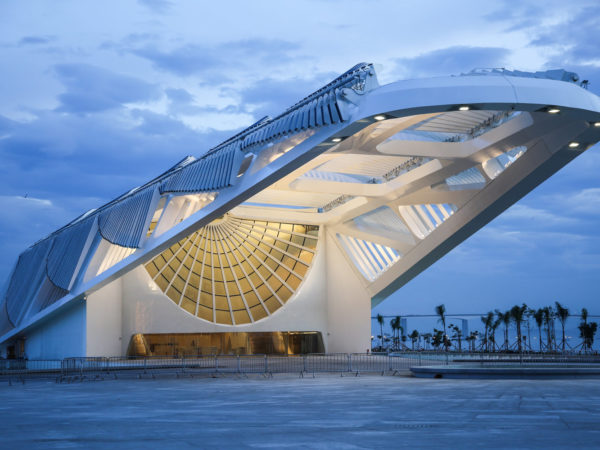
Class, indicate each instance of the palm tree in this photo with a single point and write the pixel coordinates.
(395, 324)
(457, 335)
(470, 338)
(380, 321)
(427, 339)
(563, 314)
(438, 338)
(413, 337)
(440, 310)
(518, 314)
(587, 330)
(488, 321)
(486, 327)
(548, 320)
(538, 315)
(493, 326)
(505, 319)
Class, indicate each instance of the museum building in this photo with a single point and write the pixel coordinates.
(285, 236)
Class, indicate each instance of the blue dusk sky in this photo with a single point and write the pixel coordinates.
(97, 97)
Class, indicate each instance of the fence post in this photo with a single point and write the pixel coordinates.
(446, 358)
(217, 363)
(266, 364)
(238, 364)
(349, 362)
(303, 363)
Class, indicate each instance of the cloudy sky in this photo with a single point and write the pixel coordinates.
(98, 97)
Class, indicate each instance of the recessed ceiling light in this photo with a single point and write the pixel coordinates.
(464, 108)
(379, 117)
(573, 144)
(336, 139)
(553, 110)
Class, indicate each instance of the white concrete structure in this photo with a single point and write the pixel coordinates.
(299, 223)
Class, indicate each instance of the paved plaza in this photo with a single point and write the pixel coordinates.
(291, 412)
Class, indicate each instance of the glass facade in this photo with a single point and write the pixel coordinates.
(235, 271)
(203, 344)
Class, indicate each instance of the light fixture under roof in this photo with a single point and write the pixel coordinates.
(464, 108)
(573, 144)
(597, 124)
(553, 110)
(379, 117)
(336, 139)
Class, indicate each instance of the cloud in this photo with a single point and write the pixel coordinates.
(29, 220)
(213, 61)
(536, 217)
(520, 15)
(36, 40)
(270, 97)
(585, 201)
(157, 6)
(452, 60)
(93, 89)
(573, 38)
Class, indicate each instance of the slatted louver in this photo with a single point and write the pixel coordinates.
(125, 222)
(210, 173)
(423, 219)
(26, 280)
(371, 259)
(467, 179)
(66, 252)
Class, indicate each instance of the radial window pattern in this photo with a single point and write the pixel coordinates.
(235, 271)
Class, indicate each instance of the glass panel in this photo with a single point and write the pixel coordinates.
(251, 299)
(205, 313)
(236, 302)
(152, 269)
(189, 306)
(272, 304)
(241, 317)
(174, 295)
(224, 317)
(258, 312)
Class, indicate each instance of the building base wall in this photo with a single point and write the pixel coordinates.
(61, 336)
(104, 314)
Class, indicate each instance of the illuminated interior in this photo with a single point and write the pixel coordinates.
(236, 343)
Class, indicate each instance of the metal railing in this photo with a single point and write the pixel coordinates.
(74, 369)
